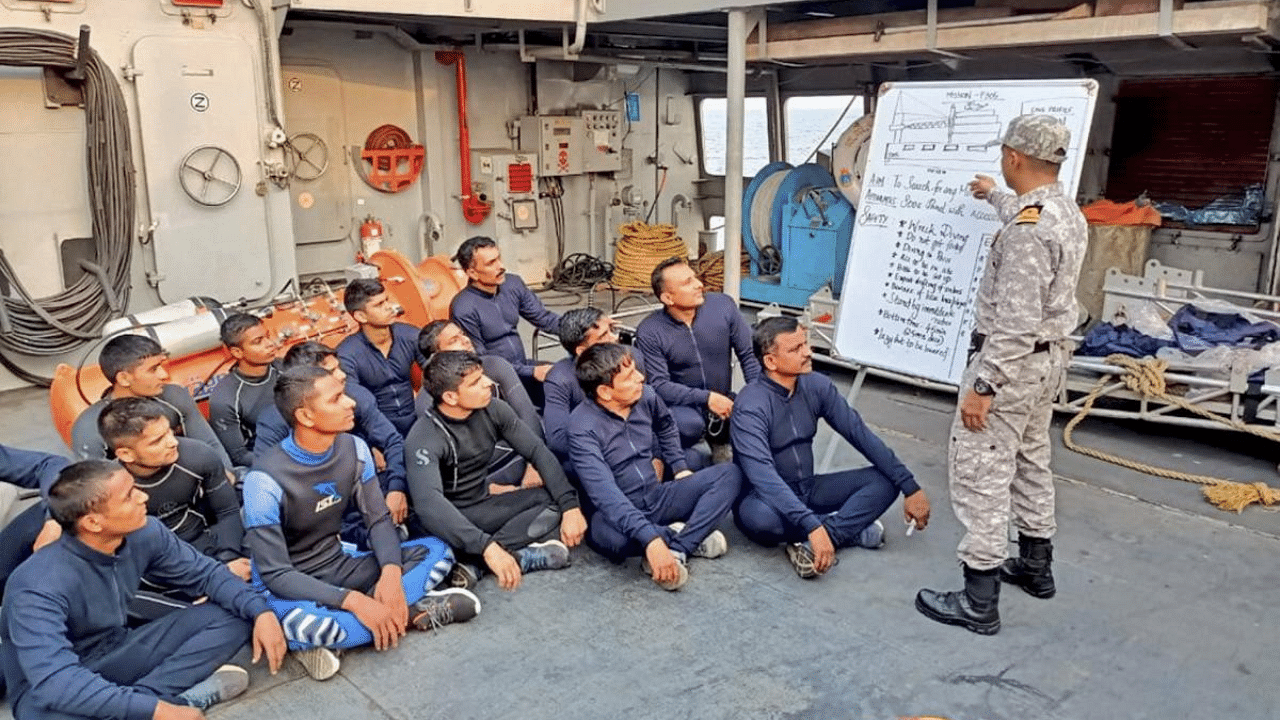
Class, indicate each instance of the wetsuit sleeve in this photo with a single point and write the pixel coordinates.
(846, 421)
(219, 504)
(749, 433)
(271, 430)
(264, 537)
(522, 439)
(29, 468)
(657, 374)
(740, 334)
(666, 433)
(59, 682)
(1022, 277)
(384, 539)
(587, 454)
(375, 428)
(512, 390)
(532, 309)
(193, 423)
(555, 414)
(177, 564)
(468, 318)
(224, 417)
(425, 450)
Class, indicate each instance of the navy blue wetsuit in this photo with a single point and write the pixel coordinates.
(31, 470)
(686, 363)
(386, 376)
(293, 504)
(489, 319)
(613, 458)
(64, 646)
(772, 432)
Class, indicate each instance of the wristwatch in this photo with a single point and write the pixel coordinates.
(982, 387)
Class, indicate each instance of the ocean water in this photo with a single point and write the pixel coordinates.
(807, 121)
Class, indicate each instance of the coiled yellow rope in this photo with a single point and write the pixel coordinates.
(640, 249)
(1146, 377)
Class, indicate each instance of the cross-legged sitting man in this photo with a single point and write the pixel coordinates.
(774, 421)
(63, 642)
(612, 446)
(687, 348)
(329, 598)
(385, 442)
(187, 489)
(507, 469)
(245, 391)
(134, 365)
(448, 451)
(491, 305)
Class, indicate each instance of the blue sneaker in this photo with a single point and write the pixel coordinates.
(549, 555)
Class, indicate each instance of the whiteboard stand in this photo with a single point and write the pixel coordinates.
(850, 397)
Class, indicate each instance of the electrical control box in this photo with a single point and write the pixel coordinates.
(557, 140)
(508, 179)
(603, 140)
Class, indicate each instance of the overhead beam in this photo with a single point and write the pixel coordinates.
(536, 10)
(1250, 17)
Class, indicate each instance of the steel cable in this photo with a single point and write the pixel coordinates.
(59, 323)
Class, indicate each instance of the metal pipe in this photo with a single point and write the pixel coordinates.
(474, 209)
(579, 30)
(736, 81)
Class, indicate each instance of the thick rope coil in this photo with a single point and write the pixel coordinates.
(640, 249)
(1146, 376)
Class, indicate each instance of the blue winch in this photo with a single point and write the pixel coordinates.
(796, 229)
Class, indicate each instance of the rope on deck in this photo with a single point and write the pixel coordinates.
(640, 249)
(1146, 376)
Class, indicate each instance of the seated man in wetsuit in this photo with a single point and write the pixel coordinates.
(134, 365)
(687, 348)
(65, 650)
(329, 598)
(448, 453)
(245, 391)
(381, 356)
(491, 305)
(187, 489)
(507, 469)
(371, 426)
(774, 422)
(613, 440)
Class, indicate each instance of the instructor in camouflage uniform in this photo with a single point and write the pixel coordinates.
(999, 451)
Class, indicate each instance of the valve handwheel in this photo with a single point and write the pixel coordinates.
(210, 175)
(308, 156)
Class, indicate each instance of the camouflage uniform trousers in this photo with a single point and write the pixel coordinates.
(1006, 465)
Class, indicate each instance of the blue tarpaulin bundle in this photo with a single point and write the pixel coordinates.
(1242, 209)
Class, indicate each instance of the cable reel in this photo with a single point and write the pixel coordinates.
(849, 159)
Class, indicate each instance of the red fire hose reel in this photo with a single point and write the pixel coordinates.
(394, 162)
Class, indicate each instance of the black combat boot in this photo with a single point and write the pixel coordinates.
(975, 608)
(1031, 570)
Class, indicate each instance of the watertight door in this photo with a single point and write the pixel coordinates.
(201, 141)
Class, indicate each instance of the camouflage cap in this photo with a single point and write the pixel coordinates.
(1043, 137)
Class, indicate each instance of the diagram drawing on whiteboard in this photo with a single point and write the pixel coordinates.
(958, 133)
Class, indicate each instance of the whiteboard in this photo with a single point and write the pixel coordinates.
(921, 239)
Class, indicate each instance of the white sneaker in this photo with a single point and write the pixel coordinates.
(711, 547)
(321, 663)
(672, 585)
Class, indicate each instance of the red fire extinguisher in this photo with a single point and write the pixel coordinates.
(370, 236)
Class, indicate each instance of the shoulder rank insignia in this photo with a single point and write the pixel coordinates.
(1029, 215)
